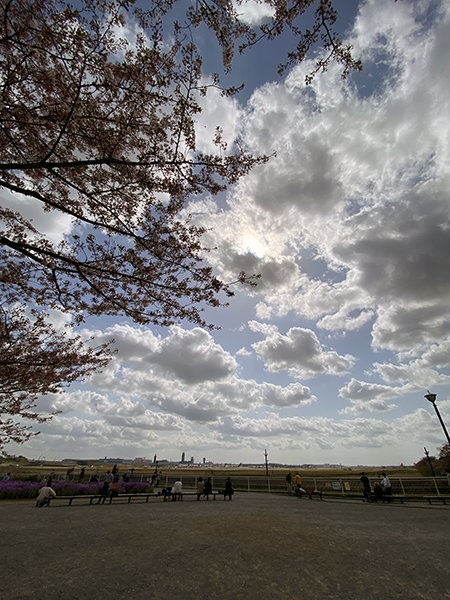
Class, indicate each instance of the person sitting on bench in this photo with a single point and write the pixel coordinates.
(45, 494)
(177, 490)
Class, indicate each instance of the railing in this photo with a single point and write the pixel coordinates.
(339, 486)
(342, 486)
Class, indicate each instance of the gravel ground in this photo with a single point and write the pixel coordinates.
(259, 546)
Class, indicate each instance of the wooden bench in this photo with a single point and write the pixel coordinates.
(430, 499)
(443, 499)
(192, 493)
(107, 499)
(403, 499)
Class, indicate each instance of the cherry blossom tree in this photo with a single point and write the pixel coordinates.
(100, 128)
(35, 360)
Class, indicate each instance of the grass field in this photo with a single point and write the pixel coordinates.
(193, 471)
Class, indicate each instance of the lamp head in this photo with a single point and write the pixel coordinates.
(430, 397)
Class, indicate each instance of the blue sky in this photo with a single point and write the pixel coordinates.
(328, 359)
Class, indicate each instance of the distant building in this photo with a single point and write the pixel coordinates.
(182, 457)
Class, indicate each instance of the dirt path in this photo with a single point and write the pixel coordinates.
(259, 546)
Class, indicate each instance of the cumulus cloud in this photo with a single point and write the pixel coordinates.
(53, 224)
(189, 355)
(300, 352)
(368, 397)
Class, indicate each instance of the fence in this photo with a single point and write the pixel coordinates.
(339, 486)
(410, 486)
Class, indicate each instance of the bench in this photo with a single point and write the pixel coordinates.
(403, 499)
(429, 499)
(107, 499)
(443, 499)
(213, 494)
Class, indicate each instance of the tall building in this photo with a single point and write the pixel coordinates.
(182, 457)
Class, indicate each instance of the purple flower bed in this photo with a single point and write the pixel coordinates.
(17, 489)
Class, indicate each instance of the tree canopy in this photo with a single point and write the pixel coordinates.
(99, 129)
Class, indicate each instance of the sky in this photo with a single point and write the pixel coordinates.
(329, 358)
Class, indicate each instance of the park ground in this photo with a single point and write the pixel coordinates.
(258, 546)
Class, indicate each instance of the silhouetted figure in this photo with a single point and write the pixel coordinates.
(289, 483)
(378, 492)
(229, 491)
(207, 489)
(366, 487)
(104, 492)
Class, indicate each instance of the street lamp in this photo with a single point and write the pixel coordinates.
(432, 398)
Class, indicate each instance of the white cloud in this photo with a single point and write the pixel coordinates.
(300, 352)
(53, 224)
(252, 12)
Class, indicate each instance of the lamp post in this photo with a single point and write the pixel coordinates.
(432, 398)
(427, 454)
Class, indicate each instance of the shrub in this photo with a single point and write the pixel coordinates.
(18, 489)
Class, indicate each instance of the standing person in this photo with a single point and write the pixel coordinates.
(200, 487)
(45, 493)
(81, 475)
(228, 489)
(386, 485)
(115, 474)
(207, 488)
(366, 486)
(289, 483)
(6, 477)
